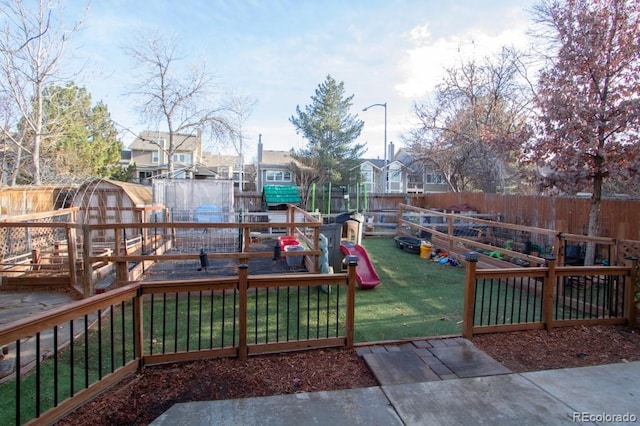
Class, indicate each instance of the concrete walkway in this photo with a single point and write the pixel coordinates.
(608, 394)
(19, 305)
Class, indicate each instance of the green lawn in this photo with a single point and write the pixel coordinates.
(416, 297)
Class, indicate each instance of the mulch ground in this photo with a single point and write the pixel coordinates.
(564, 347)
(142, 398)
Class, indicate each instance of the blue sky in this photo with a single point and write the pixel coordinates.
(277, 52)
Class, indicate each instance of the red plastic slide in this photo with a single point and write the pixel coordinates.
(365, 272)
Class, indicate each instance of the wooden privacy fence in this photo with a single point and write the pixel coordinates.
(497, 300)
(337, 203)
(65, 357)
(618, 217)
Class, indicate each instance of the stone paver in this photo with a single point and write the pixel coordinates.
(468, 361)
(435, 359)
(399, 367)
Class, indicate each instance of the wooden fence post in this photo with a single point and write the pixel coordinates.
(631, 307)
(72, 255)
(450, 230)
(35, 259)
(138, 337)
(243, 284)
(291, 215)
(559, 243)
(621, 234)
(352, 263)
(87, 276)
(122, 273)
(316, 246)
(547, 293)
(245, 233)
(468, 313)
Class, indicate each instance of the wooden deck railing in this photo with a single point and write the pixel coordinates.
(549, 296)
(459, 233)
(67, 356)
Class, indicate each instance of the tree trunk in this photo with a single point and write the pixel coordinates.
(16, 167)
(37, 139)
(593, 227)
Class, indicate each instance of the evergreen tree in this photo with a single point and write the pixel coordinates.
(331, 132)
(81, 140)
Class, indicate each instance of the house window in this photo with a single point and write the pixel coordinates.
(155, 155)
(182, 158)
(434, 178)
(143, 177)
(366, 172)
(278, 176)
(394, 174)
(367, 177)
(394, 179)
(223, 171)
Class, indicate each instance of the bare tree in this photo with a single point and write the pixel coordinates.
(32, 47)
(179, 98)
(588, 97)
(475, 125)
(241, 107)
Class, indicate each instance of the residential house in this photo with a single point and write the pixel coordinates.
(149, 154)
(404, 174)
(273, 167)
(418, 176)
(371, 176)
(276, 179)
(222, 165)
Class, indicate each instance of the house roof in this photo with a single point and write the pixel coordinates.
(280, 158)
(184, 142)
(377, 163)
(202, 170)
(213, 160)
(409, 160)
(280, 194)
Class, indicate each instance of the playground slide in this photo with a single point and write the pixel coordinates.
(365, 272)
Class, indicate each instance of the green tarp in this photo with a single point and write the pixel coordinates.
(280, 194)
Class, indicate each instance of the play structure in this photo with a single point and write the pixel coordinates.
(366, 274)
(347, 232)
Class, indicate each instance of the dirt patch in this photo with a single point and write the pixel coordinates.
(142, 398)
(534, 350)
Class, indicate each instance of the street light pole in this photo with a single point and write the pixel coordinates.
(384, 170)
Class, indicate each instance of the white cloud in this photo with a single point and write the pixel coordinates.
(424, 62)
